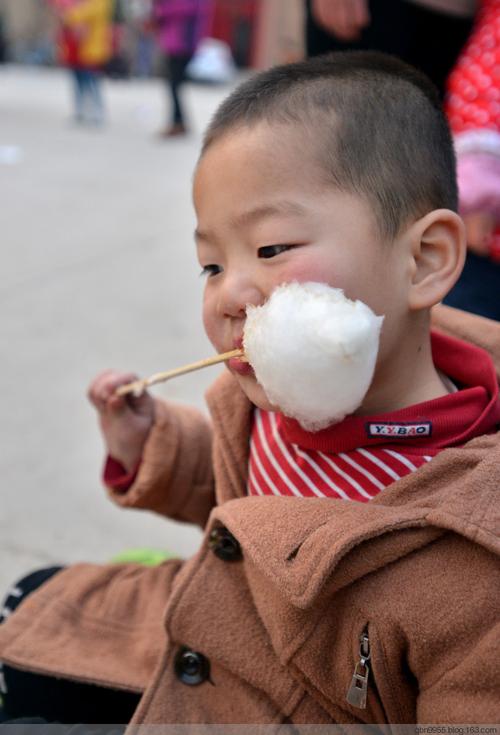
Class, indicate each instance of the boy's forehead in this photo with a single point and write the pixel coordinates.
(265, 145)
(273, 159)
(269, 171)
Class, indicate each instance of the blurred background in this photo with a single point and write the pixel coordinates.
(259, 33)
(102, 108)
(98, 260)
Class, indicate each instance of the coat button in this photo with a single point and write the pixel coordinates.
(224, 545)
(191, 668)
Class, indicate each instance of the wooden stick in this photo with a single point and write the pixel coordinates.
(138, 386)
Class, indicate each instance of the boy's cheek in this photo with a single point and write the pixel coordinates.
(325, 262)
(310, 270)
(209, 323)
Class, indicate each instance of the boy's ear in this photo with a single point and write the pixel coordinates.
(438, 249)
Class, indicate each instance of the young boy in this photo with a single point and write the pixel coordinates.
(300, 606)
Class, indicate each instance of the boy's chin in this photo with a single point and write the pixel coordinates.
(255, 392)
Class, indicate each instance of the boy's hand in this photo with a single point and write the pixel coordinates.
(345, 19)
(125, 420)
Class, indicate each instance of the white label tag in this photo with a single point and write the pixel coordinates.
(399, 431)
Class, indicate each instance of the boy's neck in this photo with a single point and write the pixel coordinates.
(405, 380)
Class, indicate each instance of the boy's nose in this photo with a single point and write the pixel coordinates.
(235, 296)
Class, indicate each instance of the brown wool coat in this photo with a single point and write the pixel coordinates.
(416, 570)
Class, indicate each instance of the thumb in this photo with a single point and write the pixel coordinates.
(142, 404)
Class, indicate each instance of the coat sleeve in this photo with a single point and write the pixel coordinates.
(455, 659)
(175, 477)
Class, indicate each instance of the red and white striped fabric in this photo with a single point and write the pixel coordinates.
(473, 109)
(359, 457)
(278, 467)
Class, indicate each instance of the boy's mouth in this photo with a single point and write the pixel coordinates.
(235, 364)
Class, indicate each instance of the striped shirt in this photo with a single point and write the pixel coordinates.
(359, 457)
(280, 467)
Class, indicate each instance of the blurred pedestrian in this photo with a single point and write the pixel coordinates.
(180, 25)
(139, 16)
(473, 108)
(3, 40)
(428, 34)
(85, 44)
(118, 65)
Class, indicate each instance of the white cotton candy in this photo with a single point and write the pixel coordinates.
(313, 351)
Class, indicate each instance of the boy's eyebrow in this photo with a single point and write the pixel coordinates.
(258, 213)
(284, 206)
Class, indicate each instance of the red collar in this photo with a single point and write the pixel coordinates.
(447, 421)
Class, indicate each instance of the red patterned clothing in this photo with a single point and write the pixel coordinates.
(473, 109)
(359, 457)
(474, 84)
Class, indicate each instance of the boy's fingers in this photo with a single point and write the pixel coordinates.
(102, 389)
(95, 390)
(116, 403)
(138, 405)
(116, 381)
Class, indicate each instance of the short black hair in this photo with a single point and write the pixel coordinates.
(378, 122)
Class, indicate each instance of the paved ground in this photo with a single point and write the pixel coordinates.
(98, 270)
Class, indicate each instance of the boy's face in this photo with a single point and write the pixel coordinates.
(265, 217)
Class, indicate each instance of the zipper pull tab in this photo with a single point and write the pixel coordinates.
(357, 692)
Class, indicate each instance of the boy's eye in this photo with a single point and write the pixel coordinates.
(211, 270)
(269, 251)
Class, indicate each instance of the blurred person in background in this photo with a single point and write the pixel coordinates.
(118, 66)
(473, 109)
(3, 41)
(85, 46)
(139, 15)
(428, 34)
(180, 25)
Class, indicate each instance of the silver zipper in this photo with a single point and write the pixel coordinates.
(356, 694)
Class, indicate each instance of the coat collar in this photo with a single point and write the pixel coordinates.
(303, 543)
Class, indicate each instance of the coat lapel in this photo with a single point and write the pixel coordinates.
(304, 544)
